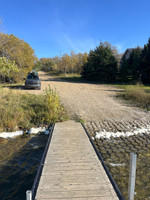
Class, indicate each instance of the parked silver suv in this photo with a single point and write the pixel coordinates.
(33, 81)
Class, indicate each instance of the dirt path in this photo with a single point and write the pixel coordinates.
(92, 102)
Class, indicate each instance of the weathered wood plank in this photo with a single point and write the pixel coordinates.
(72, 169)
(74, 193)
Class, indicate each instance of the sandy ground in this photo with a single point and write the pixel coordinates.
(91, 102)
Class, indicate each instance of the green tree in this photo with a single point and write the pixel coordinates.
(134, 63)
(130, 68)
(123, 70)
(145, 63)
(7, 67)
(101, 64)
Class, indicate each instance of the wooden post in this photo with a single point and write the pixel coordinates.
(132, 176)
(28, 195)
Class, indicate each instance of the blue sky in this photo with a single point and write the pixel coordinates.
(55, 27)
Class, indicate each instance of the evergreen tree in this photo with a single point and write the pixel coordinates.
(101, 64)
(123, 71)
(145, 63)
(130, 68)
(134, 64)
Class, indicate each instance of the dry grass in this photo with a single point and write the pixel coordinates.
(18, 110)
(137, 95)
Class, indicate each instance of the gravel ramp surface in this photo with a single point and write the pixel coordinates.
(92, 102)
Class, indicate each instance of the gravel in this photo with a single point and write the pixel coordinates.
(92, 102)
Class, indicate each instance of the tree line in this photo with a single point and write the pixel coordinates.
(17, 58)
(103, 64)
(136, 68)
(65, 64)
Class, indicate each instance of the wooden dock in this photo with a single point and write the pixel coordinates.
(72, 170)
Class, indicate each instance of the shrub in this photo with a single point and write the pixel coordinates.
(54, 110)
(50, 110)
(21, 110)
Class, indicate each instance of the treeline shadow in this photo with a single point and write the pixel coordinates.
(17, 87)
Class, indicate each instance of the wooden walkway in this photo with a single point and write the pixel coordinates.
(72, 170)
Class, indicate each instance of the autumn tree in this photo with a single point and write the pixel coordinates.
(57, 64)
(82, 59)
(37, 66)
(72, 63)
(12, 48)
(66, 63)
(101, 64)
(48, 65)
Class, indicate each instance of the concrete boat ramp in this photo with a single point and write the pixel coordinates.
(72, 170)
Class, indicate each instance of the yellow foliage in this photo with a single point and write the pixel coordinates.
(19, 51)
(55, 111)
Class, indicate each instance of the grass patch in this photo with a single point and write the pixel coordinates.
(22, 110)
(138, 95)
(71, 78)
(77, 118)
(12, 84)
(68, 77)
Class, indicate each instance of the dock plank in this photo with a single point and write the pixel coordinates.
(72, 169)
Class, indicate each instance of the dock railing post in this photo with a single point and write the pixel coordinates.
(132, 176)
(28, 195)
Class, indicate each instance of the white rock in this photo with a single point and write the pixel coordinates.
(117, 164)
(37, 130)
(104, 134)
(31, 131)
(11, 134)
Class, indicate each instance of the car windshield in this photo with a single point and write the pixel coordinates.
(31, 76)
